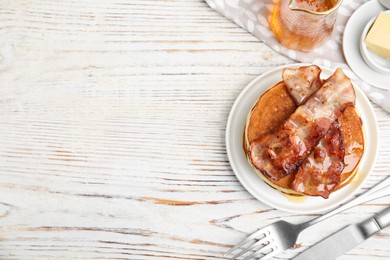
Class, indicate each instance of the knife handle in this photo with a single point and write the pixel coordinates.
(383, 218)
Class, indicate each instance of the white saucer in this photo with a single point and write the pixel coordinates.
(255, 185)
(351, 38)
(373, 60)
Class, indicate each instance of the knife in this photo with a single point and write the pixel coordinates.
(347, 238)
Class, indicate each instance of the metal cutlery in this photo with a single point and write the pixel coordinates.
(281, 235)
(347, 238)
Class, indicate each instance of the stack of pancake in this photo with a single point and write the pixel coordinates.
(273, 108)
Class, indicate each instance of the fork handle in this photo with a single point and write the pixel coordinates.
(384, 183)
(376, 192)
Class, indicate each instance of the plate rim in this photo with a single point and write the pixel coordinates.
(372, 128)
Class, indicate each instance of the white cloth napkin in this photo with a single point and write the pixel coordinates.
(252, 15)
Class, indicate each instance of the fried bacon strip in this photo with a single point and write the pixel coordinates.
(320, 172)
(281, 151)
(302, 82)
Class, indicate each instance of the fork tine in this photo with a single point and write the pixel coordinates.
(259, 252)
(253, 246)
(248, 245)
(271, 254)
(244, 241)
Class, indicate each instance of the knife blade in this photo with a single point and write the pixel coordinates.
(347, 238)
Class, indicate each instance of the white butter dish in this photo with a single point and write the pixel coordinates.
(375, 61)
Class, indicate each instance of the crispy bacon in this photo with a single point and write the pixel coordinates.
(320, 172)
(302, 82)
(283, 150)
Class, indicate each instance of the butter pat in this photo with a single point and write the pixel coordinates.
(378, 37)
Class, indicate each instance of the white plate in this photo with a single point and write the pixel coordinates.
(255, 185)
(351, 38)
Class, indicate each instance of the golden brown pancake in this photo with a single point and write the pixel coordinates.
(275, 106)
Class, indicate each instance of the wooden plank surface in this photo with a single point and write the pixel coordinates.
(112, 126)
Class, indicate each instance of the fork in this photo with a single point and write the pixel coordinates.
(281, 235)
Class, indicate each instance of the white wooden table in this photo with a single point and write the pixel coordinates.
(112, 126)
